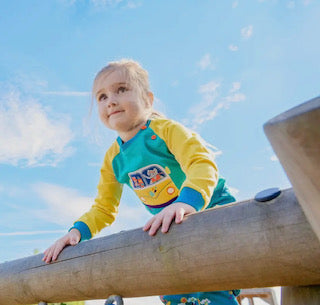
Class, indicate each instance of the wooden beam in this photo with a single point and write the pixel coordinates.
(247, 245)
(295, 138)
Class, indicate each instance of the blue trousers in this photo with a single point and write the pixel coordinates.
(227, 297)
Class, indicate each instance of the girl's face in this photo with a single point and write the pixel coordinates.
(121, 106)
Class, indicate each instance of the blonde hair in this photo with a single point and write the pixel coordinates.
(134, 74)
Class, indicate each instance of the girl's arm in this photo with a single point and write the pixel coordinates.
(105, 208)
(197, 162)
(101, 214)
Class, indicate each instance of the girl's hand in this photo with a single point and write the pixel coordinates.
(175, 211)
(72, 238)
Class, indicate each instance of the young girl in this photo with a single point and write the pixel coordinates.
(166, 165)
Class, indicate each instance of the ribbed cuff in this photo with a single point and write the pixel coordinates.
(192, 197)
(83, 229)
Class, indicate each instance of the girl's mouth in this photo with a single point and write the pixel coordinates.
(115, 112)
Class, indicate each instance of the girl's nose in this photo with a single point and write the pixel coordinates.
(112, 101)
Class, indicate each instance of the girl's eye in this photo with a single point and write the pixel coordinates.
(122, 89)
(102, 97)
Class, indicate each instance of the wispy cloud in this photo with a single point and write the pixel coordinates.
(32, 135)
(291, 4)
(233, 48)
(235, 4)
(209, 88)
(206, 62)
(274, 158)
(247, 32)
(63, 206)
(133, 4)
(258, 168)
(212, 103)
(28, 82)
(234, 191)
(67, 93)
(23, 233)
(102, 3)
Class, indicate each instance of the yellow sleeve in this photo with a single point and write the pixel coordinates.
(105, 208)
(195, 159)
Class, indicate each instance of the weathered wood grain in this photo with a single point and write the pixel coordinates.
(247, 245)
(295, 138)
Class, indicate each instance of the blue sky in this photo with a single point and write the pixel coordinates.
(223, 68)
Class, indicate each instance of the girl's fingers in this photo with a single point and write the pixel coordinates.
(166, 216)
(52, 253)
(166, 222)
(155, 225)
(180, 215)
(148, 224)
(47, 256)
(56, 253)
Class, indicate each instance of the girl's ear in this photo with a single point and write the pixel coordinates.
(150, 98)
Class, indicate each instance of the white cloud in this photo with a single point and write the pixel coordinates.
(235, 4)
(206, 62)
(209, 88)
(233, 48)
(30, 134)
(291, 4)
(104, 3)
(208, 109)
(67, 2)
(234, 98)
(202, 111)
(159, 105)
(28, 82)
(23, 233)
(130, 216)
(258, 168)
(235, 87)
(247, 32)
(175, 83)
(94, 164)
(234, 191)
(101, 4)
(274, 158)
(67, 93)
(63, 205)
(133, 4)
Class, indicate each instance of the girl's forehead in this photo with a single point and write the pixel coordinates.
(111, 78)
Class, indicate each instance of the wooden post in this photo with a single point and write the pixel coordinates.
(266, 294)
(309, 295)
(295, 138)
(250, 244)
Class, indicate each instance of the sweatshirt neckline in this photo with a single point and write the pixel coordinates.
(124, 145)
